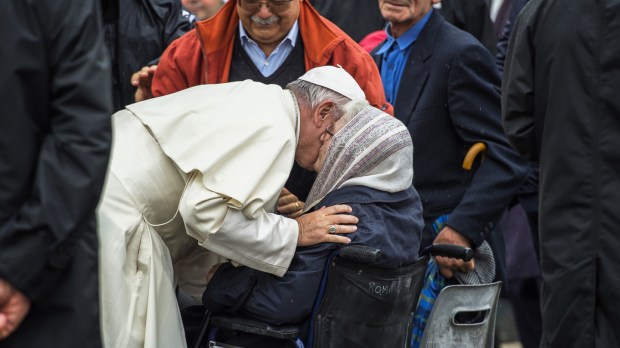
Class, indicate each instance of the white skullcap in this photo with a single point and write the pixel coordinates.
(335, 78)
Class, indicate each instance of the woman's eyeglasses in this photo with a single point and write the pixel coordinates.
(273, 5)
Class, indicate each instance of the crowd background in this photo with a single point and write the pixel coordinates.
(131, 50)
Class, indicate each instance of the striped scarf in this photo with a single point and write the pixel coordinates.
(373, 150)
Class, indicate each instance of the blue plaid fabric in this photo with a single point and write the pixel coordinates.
(433, 284)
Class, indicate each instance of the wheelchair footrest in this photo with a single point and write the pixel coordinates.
(213, 344)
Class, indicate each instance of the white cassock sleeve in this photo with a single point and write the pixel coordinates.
(266, 243)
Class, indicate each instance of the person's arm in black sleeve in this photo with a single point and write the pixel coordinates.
(175, 24)
(502, 47)
(518, 90)
(37, 242)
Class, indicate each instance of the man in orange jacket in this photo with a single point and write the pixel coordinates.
(277, 41)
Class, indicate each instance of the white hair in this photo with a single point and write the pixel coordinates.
(351, 109)
(311, 95)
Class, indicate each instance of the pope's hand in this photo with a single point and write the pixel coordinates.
(324, 225)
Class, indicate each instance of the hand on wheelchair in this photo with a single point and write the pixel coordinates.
(447, 265)
(324, 225)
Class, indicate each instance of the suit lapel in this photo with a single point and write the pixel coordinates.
(411, 85)
(416, 72)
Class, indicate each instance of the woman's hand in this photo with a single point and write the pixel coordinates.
(289, 205)
(324, 225)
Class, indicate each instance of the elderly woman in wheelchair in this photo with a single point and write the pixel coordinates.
(366, 162)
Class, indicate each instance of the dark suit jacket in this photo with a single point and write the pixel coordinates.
(449, 99)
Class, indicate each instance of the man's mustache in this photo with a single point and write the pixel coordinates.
(265, 21)
(399, 2)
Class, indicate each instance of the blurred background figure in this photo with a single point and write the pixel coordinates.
(504, 36)
(560, 109)
(198, 10)
(55, 102)
(136, 33)
(523, 277)
(521, 224)
(357, 18)
(472, 16)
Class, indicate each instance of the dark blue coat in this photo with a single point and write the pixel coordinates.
(391, 222)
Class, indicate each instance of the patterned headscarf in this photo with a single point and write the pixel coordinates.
(374, 150)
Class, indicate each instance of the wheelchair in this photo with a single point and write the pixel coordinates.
(463, 316)
(358, 306)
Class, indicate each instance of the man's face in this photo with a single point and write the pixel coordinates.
(308, 148)
(307, 155)
(404, 13)
(267, 27)
(318, 164)
(312, 136)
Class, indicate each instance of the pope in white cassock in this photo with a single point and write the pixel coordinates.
(195, 177)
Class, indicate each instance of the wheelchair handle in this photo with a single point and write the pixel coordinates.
(450, 250)
(360, 254)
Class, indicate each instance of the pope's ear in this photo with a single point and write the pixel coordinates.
(324, 110)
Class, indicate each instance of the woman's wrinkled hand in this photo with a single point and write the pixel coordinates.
(325, 225)
(289, 205)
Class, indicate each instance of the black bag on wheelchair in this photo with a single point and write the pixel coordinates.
(365, 306)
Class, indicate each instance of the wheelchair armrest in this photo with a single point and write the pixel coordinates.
(360, 254)
(245, 324)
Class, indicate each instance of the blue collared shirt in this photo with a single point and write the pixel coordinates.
(395, 53)
(268, 65)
